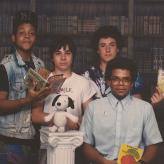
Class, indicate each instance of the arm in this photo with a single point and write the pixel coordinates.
(93, 155)
(150, 153)
(38, 114)
(75, 126)
(84, 105)
(10, 106)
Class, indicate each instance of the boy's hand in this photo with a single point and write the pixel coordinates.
(157, 97)
(71, 125)
(34, 95)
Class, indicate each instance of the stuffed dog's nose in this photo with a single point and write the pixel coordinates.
(58, 104)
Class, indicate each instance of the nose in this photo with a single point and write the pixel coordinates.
(107, 48)
(58, 104)
(63, 56)
(26, 35)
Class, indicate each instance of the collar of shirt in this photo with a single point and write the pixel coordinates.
(20, 62)
(114, 101)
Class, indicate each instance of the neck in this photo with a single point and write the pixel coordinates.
(103, 66)
(66, 74)
(119, 97)
(26, 55)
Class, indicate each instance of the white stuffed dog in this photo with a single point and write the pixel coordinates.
(60, 114)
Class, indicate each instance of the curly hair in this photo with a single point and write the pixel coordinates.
(22, 17)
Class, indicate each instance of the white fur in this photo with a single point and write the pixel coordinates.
(59, 115)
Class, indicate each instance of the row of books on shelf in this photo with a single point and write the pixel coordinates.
(4, 50)
(75, 25)
(143, 25)
(148, 25)
(144, 61)
(158, 58)
(82, 9)
(12, 6)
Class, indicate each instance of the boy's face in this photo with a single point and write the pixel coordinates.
(120, 82)
(107, 49)
(62, 59)
(25, 37)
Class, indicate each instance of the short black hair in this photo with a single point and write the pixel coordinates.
(24, 16)
(105, 32)
(62, 41)
(122, 63)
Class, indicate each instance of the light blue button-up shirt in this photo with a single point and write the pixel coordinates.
(108, 123)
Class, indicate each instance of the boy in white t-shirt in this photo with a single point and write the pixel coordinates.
(75, 86)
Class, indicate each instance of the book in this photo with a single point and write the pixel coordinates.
(39, 80)
(160, 80)
(129, 154)
(33, 78)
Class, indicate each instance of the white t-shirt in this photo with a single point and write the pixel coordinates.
(78, 89)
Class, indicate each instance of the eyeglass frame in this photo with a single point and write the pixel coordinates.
(117, 81)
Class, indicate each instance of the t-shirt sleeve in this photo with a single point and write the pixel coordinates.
(88, 91)
(4, 84)
(151, 133)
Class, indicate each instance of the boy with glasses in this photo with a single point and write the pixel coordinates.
(119, 119)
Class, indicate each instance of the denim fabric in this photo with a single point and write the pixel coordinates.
(18, 124)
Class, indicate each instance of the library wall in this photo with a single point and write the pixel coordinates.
(80, 18)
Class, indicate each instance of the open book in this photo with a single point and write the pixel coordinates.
(39, 81)
(128, 154)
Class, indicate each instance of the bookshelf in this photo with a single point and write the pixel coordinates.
(148, 35)
(141, 22)
(79, 19)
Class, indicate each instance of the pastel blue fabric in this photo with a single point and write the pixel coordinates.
(106, 128)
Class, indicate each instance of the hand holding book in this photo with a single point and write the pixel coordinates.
(41, 79)
(129, 154)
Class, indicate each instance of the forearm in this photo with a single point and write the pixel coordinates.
(150, 153)
(10, 106)
(38, 114)
(93, 155)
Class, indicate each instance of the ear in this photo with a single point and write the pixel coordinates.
(13, 38)
(55, 99)
(70, 103)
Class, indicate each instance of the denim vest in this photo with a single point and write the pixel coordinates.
(18, 124)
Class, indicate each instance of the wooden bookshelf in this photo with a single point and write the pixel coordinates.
(141, 22)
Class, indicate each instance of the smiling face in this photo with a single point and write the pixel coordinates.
(120, 82)
(107, 49)
(25, 37)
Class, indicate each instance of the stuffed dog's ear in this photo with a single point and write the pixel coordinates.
(70, 103)
(55, 99)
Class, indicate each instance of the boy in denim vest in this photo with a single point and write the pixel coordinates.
(16, 129)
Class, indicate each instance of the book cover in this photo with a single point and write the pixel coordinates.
(41, 79)
(33, 78)
(129, 154)
(160, 80)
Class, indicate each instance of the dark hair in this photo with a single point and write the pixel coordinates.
(105, 32)
(122, 63)
(24, 16)
(62, 41)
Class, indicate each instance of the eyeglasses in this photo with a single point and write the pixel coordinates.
(124, 81)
